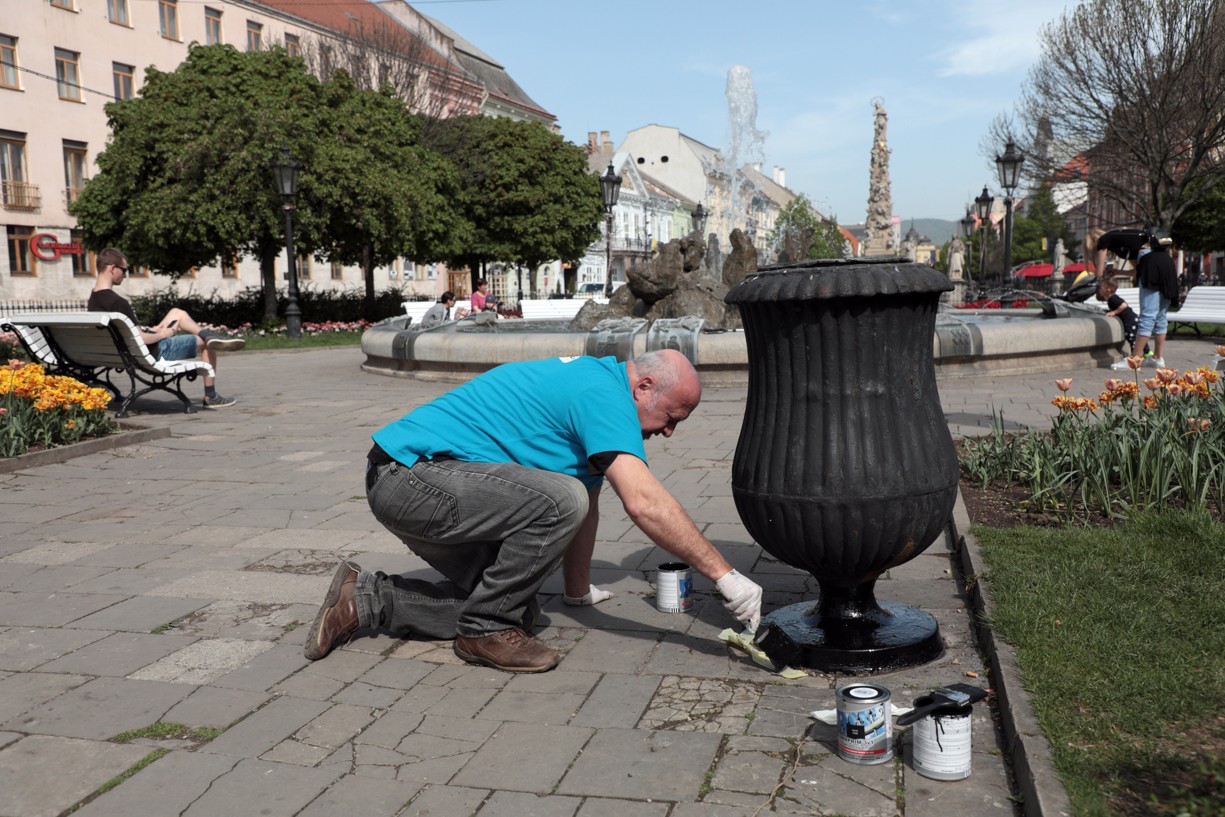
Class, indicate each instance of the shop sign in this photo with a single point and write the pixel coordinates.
(46, 248)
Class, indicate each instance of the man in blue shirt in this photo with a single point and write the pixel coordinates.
(496, 482)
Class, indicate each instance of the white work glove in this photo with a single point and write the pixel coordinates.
(594, 596)
(742, 598)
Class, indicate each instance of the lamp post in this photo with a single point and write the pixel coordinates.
(286, 169)
(699, 219)
(1009, 166)
(610, 188)
(967, 232)
(983, 205)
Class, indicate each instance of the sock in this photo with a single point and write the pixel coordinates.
(210, 391)
(205, 334)
(594, 596)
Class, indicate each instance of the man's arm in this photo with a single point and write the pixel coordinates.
(660, 516)
(657, 514)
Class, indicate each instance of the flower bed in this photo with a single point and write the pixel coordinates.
(38, 410)
(1141, 442)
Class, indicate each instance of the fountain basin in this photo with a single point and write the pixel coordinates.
(966, 343)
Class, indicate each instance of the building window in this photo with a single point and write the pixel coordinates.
(304, 267)
(125, 80)
(83, 264)
(74, 169)
(15, 192)
(255, 35)
(21, 259)
(212, 26)
(67, 5)
(338, 271)
(68, 74)
(117, 11)
(293, 46)
(229, 264)
(168, 17)
(8, 62)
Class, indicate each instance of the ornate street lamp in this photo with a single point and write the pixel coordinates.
(1009, 166)
(967, 232)
(983, 205)
(610, 188)
(286, 169)
(699, 219)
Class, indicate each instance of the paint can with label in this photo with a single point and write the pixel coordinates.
(865, 725)
(673, 588)
(941, 741)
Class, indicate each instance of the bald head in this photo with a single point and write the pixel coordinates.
(665, 388)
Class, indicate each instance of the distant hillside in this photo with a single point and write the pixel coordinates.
(939, 230)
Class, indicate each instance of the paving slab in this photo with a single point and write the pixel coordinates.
(366, 796)
(640, 765)
(259, 787)
(202, 661)
(163, 789)
(266, 727)
(446, 801)
(33, 771)
(118, 654)
(101, 708)
(522, 804)
(140, 614)
(501, 762)
(24, 648)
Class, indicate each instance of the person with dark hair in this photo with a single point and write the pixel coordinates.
(1158, 279)
(496, 505)
(440, 311)
(480, 297)
(164, 340)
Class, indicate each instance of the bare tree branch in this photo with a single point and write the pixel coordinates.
(1133, 93)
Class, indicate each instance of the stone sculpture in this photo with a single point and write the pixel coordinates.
(880, 237)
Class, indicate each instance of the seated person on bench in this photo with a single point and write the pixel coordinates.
(162, 340)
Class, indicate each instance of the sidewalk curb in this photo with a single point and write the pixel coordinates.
(131, 435)
(1029, 754)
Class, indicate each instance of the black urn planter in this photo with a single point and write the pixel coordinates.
(845, 466)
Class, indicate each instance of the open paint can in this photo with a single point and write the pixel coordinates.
(673, 587)
(941, 741)
(865, 725)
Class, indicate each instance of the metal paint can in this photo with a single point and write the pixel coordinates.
(865, 724)
(941, 742)
(673, 587)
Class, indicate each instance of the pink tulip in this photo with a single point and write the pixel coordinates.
(1063, 384)
(1113, 383)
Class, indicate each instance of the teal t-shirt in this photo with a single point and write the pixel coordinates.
(547, 414)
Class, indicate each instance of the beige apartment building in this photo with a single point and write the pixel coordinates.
(61, 61)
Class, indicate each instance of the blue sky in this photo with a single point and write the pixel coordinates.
(944, 69)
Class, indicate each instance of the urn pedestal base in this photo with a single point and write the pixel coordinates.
(892, 637)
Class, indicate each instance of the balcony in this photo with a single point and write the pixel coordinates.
(71, 194)
(21, 196)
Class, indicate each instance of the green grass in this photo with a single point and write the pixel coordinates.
(260, 343)
(166, 729)
(1120, 641)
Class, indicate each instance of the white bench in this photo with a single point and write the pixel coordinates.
(1202, 305)
(90, 346)
(554, 309)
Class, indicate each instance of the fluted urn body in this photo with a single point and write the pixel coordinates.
(844, 467)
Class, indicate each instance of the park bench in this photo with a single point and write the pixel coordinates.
(1202, 305)
(95, 346)
(554, 309)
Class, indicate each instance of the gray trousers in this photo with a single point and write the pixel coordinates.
(494, 530)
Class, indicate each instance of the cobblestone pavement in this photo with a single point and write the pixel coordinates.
(169, 583)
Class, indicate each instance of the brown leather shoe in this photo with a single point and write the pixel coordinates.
(337, 619)
(510, 650)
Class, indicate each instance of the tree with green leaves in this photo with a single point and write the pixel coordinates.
(1201, 227)
(800, 232)
(372, 193)
(525, 192)
(186, 178)
(1036, 230)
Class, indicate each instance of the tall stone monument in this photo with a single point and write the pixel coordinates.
(880, 239)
